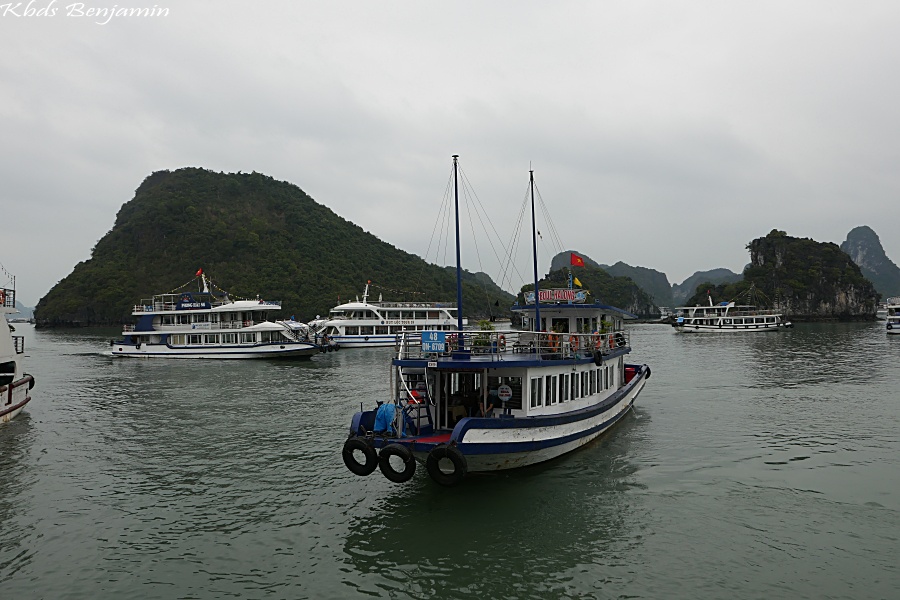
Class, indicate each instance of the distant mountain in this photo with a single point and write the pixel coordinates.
(25, 312)
(864, 248)
(620, 292)
(252, 235)
(687, 288)
(651, 281)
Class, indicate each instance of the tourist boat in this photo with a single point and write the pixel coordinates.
(728, 317)
(210, 324)
(893, 315)
(469, 401)
(15, 384)
(369, 324)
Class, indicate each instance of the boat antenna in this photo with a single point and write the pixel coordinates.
(459, 307)
(537, 296)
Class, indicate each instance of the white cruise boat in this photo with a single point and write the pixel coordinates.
(482, 401)
(727, 317)
(15, 384)
(369, 324)
(893, 315)
(209, 324)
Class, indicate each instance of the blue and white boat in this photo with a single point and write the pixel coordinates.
(368, 324)
(480, 401)
(893, 315)
(15, 384)
(210, 324)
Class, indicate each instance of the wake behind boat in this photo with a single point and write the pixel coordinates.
(210, 324)
(477, 401)
(15, 384)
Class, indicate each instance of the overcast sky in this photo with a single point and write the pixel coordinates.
(663, 134)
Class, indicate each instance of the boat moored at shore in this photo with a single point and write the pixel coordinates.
(210, 324)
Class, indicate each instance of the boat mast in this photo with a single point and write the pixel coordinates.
(537, 299)
(459, 313)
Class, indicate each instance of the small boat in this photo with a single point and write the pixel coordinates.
(371, 324)
(467, 401)
(893, 315)
(210, 324)
(15, 384)
(728, 317)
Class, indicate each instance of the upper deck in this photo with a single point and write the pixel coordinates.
(200, 301)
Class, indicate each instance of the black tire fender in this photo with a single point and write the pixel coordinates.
(356, 467)
(387, 469)
(433, 465)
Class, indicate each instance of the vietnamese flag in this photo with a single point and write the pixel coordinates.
(198, 273)
(577, 261)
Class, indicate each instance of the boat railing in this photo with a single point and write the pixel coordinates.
(201, 325)
(497, 344)
(19, 344)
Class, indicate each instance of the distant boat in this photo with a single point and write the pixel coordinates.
(726, 317)
(15, 384)
(370, 324)
(468, 401)
(893, 315)
(209, 324)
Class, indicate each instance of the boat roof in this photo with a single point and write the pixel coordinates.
(425, 305)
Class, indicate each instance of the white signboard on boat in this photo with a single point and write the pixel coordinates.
(434, 341)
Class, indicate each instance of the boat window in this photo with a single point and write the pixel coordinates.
(367, 330)
(433, 314)
(381, 330)
(584, 384)
(201, 318)
(184, 319)
(593, 381)
(537, 389)
(214, 318)
(726, 321)
(574, 386)
(194, 339)
(395, 329)
(551, 389)
(606, 378)
(177, 340)
(351, 330)
(248, 338)
(210, 338)
(168, 320)
(229, 338)
(563, 388)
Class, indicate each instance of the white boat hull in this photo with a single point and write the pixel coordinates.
(11, 404)
(756, 328)
(263, 351)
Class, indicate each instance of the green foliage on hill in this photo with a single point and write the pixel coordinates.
(252, 235)
(802, 277)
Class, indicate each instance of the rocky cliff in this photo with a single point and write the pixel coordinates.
(810, 280)
(865, 249)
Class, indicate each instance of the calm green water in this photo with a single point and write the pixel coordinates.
(761, 466)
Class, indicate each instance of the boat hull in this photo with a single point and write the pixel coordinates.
(14, 398)
(495, 449)
(279, 351)
(760, 328)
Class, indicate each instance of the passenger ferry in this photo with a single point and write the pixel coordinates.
(727, 317)
(210, 324)
(470, 401)
(893, 315)
(15, 384)
(369, 324)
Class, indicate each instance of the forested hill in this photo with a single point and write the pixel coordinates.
(252, 235)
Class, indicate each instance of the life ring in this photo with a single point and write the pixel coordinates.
(387, 469)
(137, 346)
(356, 467)
(598, 342)
(502, 342)
(433, 464)
(573, 341)
(246, 323)
(889, 326)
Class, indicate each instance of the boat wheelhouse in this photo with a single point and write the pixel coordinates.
(210, 324)
(893, 315)
(15, 384)
(727, 317)
(480, 401)
(369, 324)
